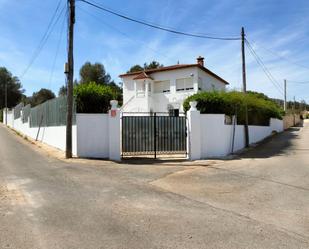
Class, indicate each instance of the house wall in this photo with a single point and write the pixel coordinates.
(212, 138)
(128, 88)
(209, 83)
(158, 102)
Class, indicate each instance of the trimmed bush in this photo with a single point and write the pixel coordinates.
(1, 115)
(260, 110)
(93, 98)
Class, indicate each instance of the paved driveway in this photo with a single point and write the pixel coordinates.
(253, 202)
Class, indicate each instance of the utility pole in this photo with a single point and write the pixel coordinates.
(70, 75)
(285, 95)
(6, 103)
(244, 82)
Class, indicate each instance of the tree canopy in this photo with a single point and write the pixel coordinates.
(62, 91)
(94, 73)
(40, 97)
(93, 98)
(151, 65)
(14, 88)
(135, 68)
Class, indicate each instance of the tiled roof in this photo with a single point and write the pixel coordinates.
(142, 75)
(174, 67)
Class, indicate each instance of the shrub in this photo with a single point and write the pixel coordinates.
(260, 110)
(93, 98)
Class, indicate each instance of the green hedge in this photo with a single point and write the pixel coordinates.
(260, 110)
(93, 98)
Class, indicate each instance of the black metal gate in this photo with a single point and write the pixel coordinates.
(154, 135)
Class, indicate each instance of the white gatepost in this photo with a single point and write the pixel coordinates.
(194, 132)
(114, 131)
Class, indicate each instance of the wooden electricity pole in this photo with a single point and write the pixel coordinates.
(244, 82)
(70, 75)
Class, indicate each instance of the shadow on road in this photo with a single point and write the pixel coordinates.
(276, 145)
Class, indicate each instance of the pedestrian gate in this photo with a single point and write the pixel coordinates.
(154, 135)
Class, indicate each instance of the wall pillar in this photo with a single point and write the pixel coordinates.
(114, 132)
(194, 142)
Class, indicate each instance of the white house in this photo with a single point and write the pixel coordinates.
(164, 89)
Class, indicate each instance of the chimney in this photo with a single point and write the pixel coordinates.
(200, 61)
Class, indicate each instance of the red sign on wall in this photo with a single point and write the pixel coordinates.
(113, 113)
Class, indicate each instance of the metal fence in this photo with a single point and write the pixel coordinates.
(51, 113)
(153, 135)
(26, 113)
(18, 110)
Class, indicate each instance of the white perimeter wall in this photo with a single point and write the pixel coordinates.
(98, 135)
(215, 137)
(10, 118)
(53, 135)
(92, 135)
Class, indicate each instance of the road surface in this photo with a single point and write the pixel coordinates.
(258, 201)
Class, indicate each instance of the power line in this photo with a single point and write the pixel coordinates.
(123, 33)
(165, 26)
(264, 68)
(57, 52)
(156, 26)
(283, 57)
(51, 25)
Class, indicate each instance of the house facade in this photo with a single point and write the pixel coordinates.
(165, 89)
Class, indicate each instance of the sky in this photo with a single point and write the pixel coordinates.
(277, 30)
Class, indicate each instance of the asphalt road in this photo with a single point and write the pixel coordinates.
(258, 201)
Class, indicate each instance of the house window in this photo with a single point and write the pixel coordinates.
(162, 86)
(185, 84)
